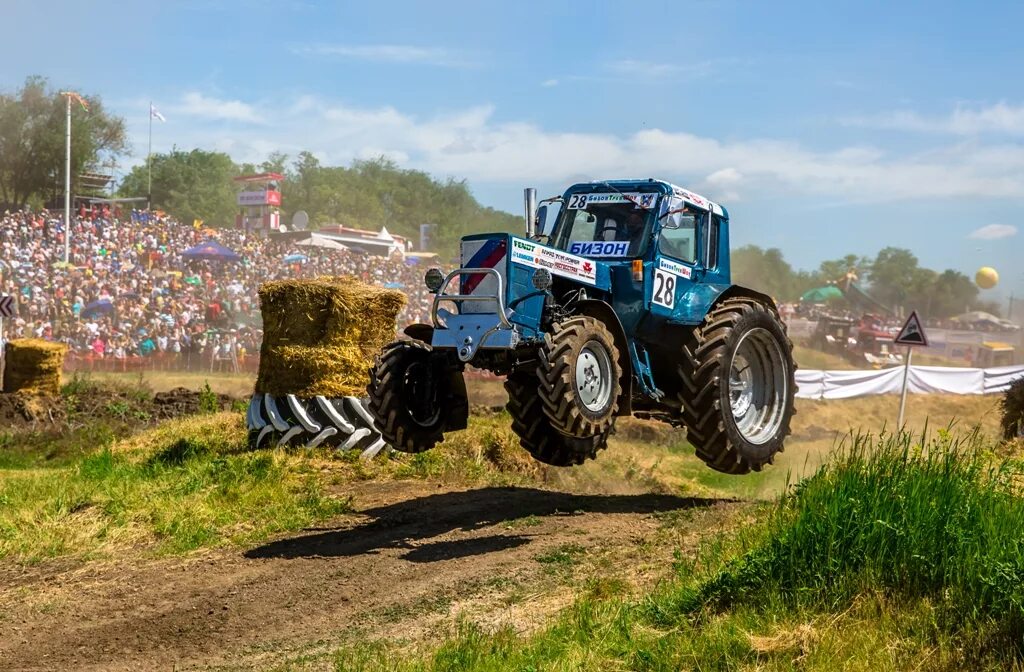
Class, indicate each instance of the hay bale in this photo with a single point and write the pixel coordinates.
(328, 311)
(33, 366)
(320, 336)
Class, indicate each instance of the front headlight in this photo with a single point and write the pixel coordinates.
(433, 279)
(542, 279)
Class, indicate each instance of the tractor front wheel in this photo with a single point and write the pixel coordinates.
(409, 391)
(534, 429)
(738, 378)
(580, 377)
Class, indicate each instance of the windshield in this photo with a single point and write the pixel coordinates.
(606, 225)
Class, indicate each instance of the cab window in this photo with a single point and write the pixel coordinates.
(711, 236)
(679, 235)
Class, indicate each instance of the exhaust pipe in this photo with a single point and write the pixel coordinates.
(530, 201)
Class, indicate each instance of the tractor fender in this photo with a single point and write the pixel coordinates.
(735, 291)
(420, 332)
(601, 310)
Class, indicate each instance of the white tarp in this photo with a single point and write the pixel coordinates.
(999, 378)
(943, 379)
(815, 384)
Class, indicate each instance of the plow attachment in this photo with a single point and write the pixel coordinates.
(295, 421)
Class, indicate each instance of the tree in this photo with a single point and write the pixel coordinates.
(769, 272)
(32, 142)
(894, 276)
(952, 293)
(189, 185)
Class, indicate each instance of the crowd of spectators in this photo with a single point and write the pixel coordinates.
(128, 293)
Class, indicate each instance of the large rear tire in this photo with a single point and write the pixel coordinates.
(1013, 411)
(580, 377)
(739, 385)
(408, 389)
(537, 436)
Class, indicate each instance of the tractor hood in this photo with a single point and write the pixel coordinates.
(514, 261)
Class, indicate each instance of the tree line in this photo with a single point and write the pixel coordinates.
(32, 144)
(894, 277)
(369, 194)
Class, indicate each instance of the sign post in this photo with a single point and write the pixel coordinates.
(911, 335)
(6, 310)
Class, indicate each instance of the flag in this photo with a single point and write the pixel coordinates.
(153, 114)
(75, 96)
(197, 224)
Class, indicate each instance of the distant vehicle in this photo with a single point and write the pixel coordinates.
(834, 335)
(994, 354)
(866, 340)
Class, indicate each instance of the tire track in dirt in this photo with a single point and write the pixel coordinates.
(393, 569)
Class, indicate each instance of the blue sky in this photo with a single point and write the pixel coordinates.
(825, 128)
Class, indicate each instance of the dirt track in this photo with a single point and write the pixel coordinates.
(415, 556)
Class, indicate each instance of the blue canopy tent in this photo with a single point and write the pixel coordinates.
(97, 308)
(211, 250)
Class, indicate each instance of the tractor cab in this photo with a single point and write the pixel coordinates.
(667, 247)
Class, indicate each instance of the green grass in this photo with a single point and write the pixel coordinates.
(902, 552)
(936, 520)
(185, 485)
(191, 483)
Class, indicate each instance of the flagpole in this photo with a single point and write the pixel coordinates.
(67, 184)
(149, 161)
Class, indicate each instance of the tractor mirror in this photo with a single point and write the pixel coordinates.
(542, 220)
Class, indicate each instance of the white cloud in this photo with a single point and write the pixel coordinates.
(964, 120)
(726, 177)
(195, 104)
(472, 143)
(650, 70)
(389, 53)
(549, 82)
(994, 232)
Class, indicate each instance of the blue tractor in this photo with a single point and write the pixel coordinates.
(624, 306)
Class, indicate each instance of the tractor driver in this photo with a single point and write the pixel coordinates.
(632, 231)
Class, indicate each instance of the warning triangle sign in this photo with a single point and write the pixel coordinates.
(912, 332)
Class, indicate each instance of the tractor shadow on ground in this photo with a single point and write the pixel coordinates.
(408, 524)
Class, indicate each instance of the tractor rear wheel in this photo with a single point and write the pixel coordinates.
(1013, 411)
(534, 429)
(580, 377)
(409, 391)
(738, 378)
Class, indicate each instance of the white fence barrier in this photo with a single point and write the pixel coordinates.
(814, 384)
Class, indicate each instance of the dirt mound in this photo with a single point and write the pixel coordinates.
(86, 403)
(183, 401)
(29, 411)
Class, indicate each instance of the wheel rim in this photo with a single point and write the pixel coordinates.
(594, 377)
(758, 386)
(422, 394)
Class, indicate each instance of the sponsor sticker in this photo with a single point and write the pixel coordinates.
(664, 293)
(581, 201)
(558, 262)
(697, 199)
(599, 248)
(674, 267)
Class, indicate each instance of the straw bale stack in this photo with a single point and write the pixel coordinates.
(33, 366)
(320, 336)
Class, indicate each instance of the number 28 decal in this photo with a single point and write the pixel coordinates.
(577, 201)
(664, 289)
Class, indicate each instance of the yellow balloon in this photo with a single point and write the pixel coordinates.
(986, 277)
